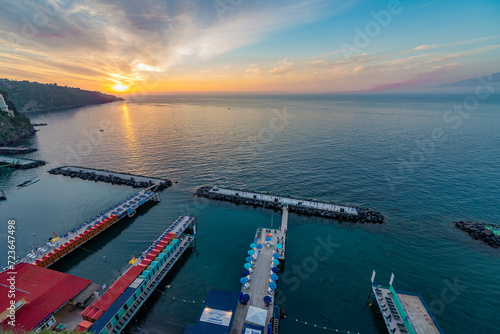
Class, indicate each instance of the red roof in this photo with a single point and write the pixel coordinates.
(44, 290)
(117, 288)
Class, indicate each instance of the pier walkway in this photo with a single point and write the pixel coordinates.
(286, 200)
(260, 283)
(126, 208)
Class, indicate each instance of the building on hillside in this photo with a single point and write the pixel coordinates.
(4, 107)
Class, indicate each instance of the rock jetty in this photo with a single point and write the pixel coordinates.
(479, 231)
(364, 215)
(111, 178)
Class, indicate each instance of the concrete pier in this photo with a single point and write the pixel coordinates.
(16, 149)
(299, 206)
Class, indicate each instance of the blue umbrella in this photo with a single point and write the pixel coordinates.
(268, 238)
(275, 270)
(245, 273)
(252, 245)
(243, 280)
(276, 262)
(268, 299)
(276, 256)
(279, 246)
(250, 252)
(272, 286)
(274, 277)
(247, 266)
(245, 298)
(249, 259)
(259, 246)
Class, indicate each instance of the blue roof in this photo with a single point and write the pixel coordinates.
(220, 300)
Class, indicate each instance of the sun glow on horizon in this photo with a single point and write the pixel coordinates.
(120, 88)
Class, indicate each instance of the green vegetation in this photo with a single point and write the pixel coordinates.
(34, 96)
(14, 128)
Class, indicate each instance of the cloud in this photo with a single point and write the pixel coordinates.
(252, 73)
(282, 67)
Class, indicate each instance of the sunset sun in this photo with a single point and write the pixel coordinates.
(120, 87)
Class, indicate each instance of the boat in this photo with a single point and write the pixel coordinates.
(2, 195)
(28, 182)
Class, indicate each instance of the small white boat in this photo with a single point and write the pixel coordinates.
(28, 182)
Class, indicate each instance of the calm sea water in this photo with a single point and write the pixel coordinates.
(402, 155)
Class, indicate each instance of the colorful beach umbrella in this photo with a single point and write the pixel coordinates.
(243, 280)
(259, 246)
(249, 259)
(250, 252)
(247, 266)
(272, 286)
(245, 298)
(245, 273)
(276, 262)
(279, 246)
(268, 299)
(252, 245)
(268, 238)
(276, 256)
(274, 277)
(275, 270)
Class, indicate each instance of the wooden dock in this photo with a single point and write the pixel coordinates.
(404, 312)
(21, 163)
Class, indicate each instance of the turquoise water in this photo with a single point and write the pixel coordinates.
(375, 151)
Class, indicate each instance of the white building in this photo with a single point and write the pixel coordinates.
(4, 107)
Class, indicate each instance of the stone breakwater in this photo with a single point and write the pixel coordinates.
(364, 215)
(113, 179)
(479, 232)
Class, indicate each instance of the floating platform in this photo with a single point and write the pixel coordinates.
(21, 163)
(404, 312)
(300, 206)
(121, 302)
(91, 174)
(16, 149)
(60, 246)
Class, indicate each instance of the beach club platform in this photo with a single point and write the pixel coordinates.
(404, 312)
(62, 245)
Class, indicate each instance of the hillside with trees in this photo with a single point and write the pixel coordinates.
(14, 128)
(34, 96)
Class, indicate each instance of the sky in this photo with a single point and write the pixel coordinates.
(248, 46)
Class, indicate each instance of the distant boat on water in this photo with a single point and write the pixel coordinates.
(28, 182)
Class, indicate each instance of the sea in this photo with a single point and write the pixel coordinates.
(424, 161)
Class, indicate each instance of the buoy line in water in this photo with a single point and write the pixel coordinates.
(320, 326)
